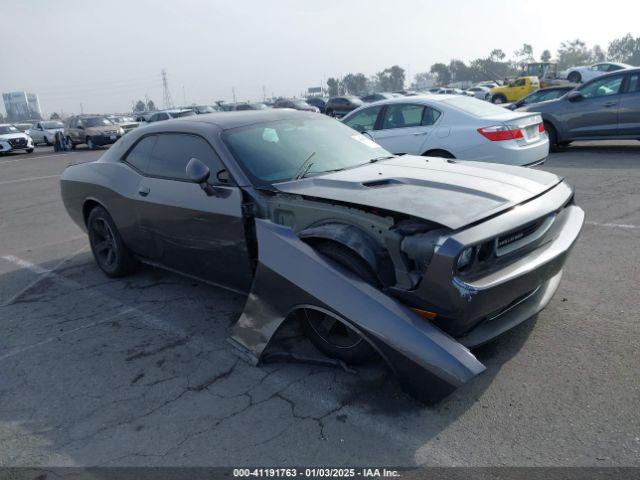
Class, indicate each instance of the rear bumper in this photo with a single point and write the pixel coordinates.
(516, 290)
(509, 152)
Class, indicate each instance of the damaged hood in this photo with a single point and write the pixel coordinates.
(452, 193)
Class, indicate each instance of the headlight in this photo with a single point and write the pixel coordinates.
(465, 259)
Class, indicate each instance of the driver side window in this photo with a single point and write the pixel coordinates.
(364, 120)
(602, 87)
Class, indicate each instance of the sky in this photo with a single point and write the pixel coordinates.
(106, 54)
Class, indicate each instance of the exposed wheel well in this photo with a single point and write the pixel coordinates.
(87, 207)
(438, 152)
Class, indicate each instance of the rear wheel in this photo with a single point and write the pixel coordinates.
(330, 335)
(329, 112)
(499, 98)
(90, 143)
(70, 143)
(109, 251)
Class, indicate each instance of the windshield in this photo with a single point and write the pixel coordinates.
(275, 151)
(48, 125)
(475, 107)
(4, 129)
(96, 121)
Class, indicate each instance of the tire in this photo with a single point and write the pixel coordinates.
(330, 112)
(329, 335)
(90, 144)
(109, 251)
(29, 150)
(498, 99)
(438, 153)
(574, 77)
(46, 141)
(553, 137)
(70, 142)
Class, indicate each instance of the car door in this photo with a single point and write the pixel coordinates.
(595, 113)
(405, 128)
(181, 226)
(36, 133)
(365, 120)
(74, 130)
(629, 110)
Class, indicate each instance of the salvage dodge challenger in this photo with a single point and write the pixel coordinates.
(415, 260)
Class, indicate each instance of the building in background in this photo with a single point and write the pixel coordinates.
(22, 106)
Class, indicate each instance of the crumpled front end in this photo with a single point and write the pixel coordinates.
(291, 275)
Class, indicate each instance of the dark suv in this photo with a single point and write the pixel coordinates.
(340, 106)
(607, 107)
(93, 130)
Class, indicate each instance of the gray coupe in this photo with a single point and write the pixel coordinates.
(414, 260)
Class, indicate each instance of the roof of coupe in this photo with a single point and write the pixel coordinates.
(234, 119)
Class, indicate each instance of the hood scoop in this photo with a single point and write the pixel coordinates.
(385, 182)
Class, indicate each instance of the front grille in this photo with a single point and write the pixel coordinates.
(109, 132)
(18, 142)
(511, 237)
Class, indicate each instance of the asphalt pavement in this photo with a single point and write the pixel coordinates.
(136, 371)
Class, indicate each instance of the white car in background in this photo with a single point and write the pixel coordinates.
(479, 92)
(453, 126)
(45, 131)
(13, 140)
(589, 72)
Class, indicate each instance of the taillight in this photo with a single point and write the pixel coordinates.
(501, 132)
(541, 127)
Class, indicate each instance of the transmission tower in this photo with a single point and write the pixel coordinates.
(167, 101)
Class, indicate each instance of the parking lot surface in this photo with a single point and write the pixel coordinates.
(137, 371)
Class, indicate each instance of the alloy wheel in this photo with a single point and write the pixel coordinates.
(103, 243)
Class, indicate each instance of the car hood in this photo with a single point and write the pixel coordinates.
(451, 193)
(9, 136)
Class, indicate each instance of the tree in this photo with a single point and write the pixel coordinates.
(597, 55)
(524, 55)
(151, 107)
(442, 73)
(355, 84)
(391, 79)
(496, 55)
(573, 53)
(625, 49)
(54, 116)
(140, 106)
(459, 71)
(422, 80)
(334, 87)
(546, 56)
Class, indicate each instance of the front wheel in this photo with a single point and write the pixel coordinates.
(332, 336)
(70, 143)
(574, 77)
(109, 251)
(330, 112)
(29, 150)
(498, 99)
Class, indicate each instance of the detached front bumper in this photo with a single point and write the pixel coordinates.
(476, 308)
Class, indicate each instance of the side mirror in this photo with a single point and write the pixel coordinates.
(199, 173)
(574, 96)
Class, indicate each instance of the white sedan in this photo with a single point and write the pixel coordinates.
(453, 126)
(13, 140)
(589, 72)
(479, 92)
(45, 132)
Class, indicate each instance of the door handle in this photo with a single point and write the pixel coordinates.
(144, 191)
(419, 133)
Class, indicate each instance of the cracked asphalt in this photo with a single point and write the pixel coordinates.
(137, 371)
